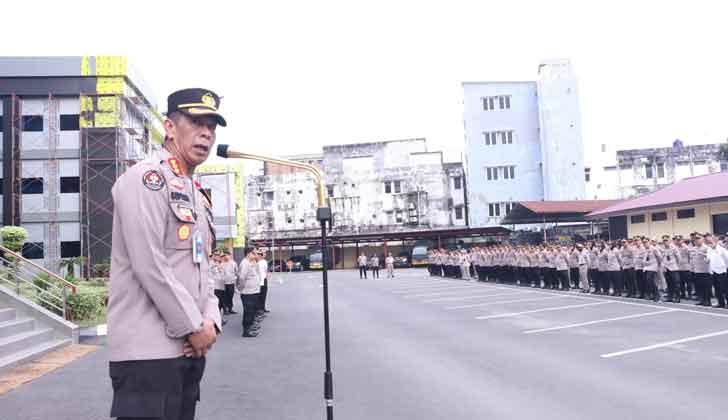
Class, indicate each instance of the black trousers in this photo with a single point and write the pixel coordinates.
(641, 285)
(564, 278)
(686, 283)
(220, 294)
(375, 272)
(630, 281)
(163, 389)
(229, 293)
(263, 296)
(362, 271)
(703, 287)
(650, 284)
(574, 276)
(616, 281)
(672, 278)
(720, 283)
(250, 307)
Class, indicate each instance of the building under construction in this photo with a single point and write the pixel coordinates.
(70, 126)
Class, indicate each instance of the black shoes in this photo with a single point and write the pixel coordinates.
(231, 312)
(249, 334)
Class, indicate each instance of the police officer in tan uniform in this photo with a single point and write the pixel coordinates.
(163, 315)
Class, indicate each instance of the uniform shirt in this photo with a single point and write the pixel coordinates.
(613, 262)
(158, 292)
(701, 262)
(248, 277)
(718, 257)
(683, 258)
(639, 258)
(217, 275)
(561, 260)
(389, 261)
(583, 257)
(653, 258)
(375, 262)
(669, 257)
(574, 259)
(627, 257)
(603, 260)
(263, 271)
(362, 261)
(230, 272)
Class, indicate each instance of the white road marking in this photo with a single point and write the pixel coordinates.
(456, 298)
(497, 302)
(664, 344)
(623, 300)
(599, 321)
(554, 308)
(440, 292)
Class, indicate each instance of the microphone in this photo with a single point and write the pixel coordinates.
(222, 150)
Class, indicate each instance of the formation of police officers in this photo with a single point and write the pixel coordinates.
(672, 269)
(250, 278)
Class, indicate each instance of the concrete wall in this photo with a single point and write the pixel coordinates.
(562, 148)
(702, 222)
(524, 153)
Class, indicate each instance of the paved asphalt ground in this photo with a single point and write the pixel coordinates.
(421, 348)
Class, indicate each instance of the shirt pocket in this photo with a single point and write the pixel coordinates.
(181, 226)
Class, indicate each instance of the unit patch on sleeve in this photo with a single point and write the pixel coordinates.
(153, 180)
(174, 164)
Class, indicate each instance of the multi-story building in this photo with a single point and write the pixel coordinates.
(70, 126)
(634, 172)
(523, 142)
(373, 188)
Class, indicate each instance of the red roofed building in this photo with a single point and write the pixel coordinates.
(698, 204)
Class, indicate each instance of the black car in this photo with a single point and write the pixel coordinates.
(299, 263)
(402, 260)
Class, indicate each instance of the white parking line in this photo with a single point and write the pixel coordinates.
(441, 292)
(623, 300)
(555, 308)
(456, 298)
(665, 344)
(428, 286)
(599, 321)
(498, 302)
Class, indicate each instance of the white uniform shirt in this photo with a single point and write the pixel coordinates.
(718, 257)
(263, 271)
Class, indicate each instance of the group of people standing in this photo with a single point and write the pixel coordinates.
(250, 278)
(372, 264)
(674, 268)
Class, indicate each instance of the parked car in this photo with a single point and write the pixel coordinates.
(298, 263)
(279, 266)
(419, 256)
(402, 260)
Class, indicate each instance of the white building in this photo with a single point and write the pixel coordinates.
(523, 142)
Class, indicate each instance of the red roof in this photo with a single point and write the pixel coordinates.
(576, 206)
(688, 191)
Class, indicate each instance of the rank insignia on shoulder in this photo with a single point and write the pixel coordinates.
(178, 196)
(186, 212)
(174, 164)
(153, 180)
(183, 232)
(177, 184)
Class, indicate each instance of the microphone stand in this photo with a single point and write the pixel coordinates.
(323, 215)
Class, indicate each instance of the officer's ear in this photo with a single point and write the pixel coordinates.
(170, 125)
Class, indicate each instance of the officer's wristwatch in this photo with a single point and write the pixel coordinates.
(199, 328)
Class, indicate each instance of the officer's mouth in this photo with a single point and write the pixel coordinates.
(202, 148)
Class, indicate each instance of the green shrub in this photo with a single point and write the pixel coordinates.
(82, 306)
(13, 237)
(102, 269)
(43, 282)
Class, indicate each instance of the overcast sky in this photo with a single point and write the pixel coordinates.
(301, 74)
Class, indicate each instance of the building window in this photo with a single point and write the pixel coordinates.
(33, 250)
(1, 186)
(69, 122)
(70, 249)
(32, 123)
(1, 123)
(509, 134)
(398, 216)
(388, 187)
(508, 102)
(488, 103)
(492, 173)
(70, 184)
(494, 209)
(685, 213)
(268, 197)
(648, 171)
(509, 172)
(289, 220)
(458, 213)
(486, 134)
(330, 190)
(659, 217)
(508, 207)
(457, 181)
(397, 187)
(31, 186)
(637, 219)
(587, 174)
(660, 170)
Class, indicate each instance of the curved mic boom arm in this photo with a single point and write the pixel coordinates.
(224, 150)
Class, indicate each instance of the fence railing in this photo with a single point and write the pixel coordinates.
(34, 282)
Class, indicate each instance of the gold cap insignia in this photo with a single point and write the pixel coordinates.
(209, 100)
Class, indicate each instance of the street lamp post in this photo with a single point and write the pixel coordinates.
(323, 215)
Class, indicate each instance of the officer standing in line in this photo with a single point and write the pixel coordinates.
(218, 278)
(374, 261)
(362, 261)
(701, 272)
(230, 272)
(263, 274)
(669, 262)
(248, 285)
(163, 315)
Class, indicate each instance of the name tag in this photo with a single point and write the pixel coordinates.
(197, 248)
